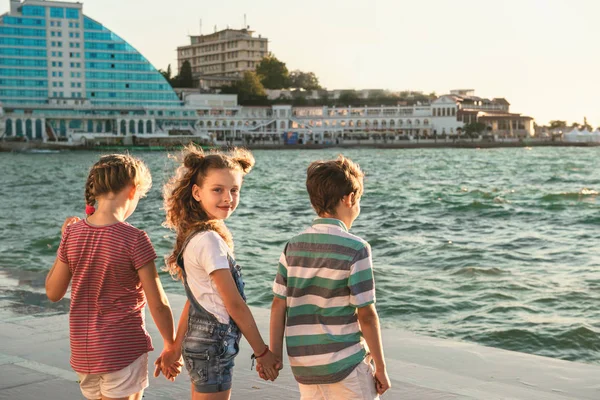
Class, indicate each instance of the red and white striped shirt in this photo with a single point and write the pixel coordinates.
(107, 327)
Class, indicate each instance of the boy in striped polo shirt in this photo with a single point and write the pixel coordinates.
(325, 294)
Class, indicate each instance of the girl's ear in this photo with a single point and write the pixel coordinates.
(196, 192)
(132, 192)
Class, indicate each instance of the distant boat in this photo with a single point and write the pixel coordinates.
(41, 151)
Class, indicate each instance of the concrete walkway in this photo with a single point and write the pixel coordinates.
(34, 363)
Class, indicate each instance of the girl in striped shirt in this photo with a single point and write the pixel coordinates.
(111, 266)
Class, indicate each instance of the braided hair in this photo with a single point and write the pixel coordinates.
(113, 173)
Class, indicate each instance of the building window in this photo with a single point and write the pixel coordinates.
(72, 13)
(56, 12)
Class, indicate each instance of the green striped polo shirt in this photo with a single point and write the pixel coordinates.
(324, 275)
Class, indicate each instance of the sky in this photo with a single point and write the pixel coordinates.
(541, 55)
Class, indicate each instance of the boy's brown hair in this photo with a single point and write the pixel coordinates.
(327, 182)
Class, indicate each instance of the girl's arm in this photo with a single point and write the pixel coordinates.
(157, 302)
(57, 281)
(169, 361)
(59, 277)
(241, 314)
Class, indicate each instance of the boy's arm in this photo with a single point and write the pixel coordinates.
(362, 296)
(369, 325)
(157, 302)
(278, 316)
(279, 306)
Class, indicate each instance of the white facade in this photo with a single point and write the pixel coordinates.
(324, 124)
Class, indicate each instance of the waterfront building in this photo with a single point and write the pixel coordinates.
(222, 57)
(285, 124)
(67, 79)
(65, 76)
(494, 114)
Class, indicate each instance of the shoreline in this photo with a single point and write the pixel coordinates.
(41, 147)
(34, 363)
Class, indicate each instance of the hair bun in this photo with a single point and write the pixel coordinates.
(193, 158)
(244, 158)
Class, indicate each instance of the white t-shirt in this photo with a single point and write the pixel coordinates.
(205, 253)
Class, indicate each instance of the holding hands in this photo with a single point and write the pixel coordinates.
(169, 363)
(268, 365)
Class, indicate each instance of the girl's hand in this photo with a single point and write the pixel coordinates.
(261, 372)
(169, 363)
(269, 366)
(68, 221)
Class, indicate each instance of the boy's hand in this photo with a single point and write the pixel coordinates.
(261, 372)
(169, 363)
(68, 221)
(382, 381)
(269, 366)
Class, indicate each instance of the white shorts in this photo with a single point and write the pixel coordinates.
(359, 385)
(125, 382)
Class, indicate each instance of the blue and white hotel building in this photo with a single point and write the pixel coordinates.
(65, 77)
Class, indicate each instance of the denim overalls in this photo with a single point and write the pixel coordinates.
(209, 346)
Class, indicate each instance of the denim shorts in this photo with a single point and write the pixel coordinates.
(209, 350)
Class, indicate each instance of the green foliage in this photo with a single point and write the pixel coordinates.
(304, 80)
(166, 74)
(273, 73)
(474, 128)
(185, 75)
(250, 85)
(556, 124)
(249, 89)
(349, 98)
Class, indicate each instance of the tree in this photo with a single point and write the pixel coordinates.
(324, 98)
(167, 74)
(304, 80)
(557, 124)
(348, 98)
(473, 129)
(586, 126)
(251, 85)
(299, 98)
(250, 89)
(185, 79)
(273, 73)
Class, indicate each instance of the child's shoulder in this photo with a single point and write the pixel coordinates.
(129, 233)
(357, 242)
(130, 229)
(207, 238)
(343, 238)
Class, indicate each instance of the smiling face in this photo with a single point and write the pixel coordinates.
(219, 194)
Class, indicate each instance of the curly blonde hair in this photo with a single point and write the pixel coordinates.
(184, 214)
(113, 173)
